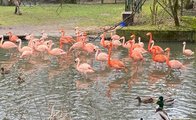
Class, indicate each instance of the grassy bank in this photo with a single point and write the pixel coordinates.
(82, 15)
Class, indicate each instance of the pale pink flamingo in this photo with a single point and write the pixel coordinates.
(84, 67)
(103, 42)
(137, 46)
(7, 44)
(158, 48)
(89, 47)
(173, 64)
(187, 52)
(100, 56)
(12, 37)
(56, 51)
(114, 63)
(114, 37)
(65, 39)
(126, 44)
(77, 45)
(26, 54)
(139, 42)
(24, 48)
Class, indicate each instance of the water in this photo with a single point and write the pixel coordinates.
(55, 88)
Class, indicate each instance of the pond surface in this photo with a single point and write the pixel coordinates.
(55, 88)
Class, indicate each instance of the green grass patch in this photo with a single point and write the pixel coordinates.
(83, 15)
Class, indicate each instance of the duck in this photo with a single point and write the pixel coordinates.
(160, 113)
(3, 71)
(20, 80)
(145, 100)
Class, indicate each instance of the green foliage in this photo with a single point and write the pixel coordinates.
(189, 21)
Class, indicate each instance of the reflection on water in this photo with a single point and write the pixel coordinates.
(52, 88)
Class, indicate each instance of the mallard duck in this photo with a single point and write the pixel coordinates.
(145, 100)
(20, 80)
(3, 71)
(160, 113)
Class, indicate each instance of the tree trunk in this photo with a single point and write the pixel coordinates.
(174, 9)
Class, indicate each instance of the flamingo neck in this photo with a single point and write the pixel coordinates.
(152, 45)
(131, 49)
(96, 54)
(62, 33)
(109, 55)
(1, 41)
(183, 49)
(78, 63)
(103, 39)
(149, 41)
(167, 60)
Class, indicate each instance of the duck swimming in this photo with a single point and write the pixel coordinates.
(3, 71)
(145, 100)
(160, 113)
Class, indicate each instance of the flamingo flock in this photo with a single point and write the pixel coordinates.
(43, 46)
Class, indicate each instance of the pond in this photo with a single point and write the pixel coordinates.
(58, 88)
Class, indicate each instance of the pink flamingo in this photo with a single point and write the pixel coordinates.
(139, 42)
(100, 56)
(77, 45)
(103, 42)
(137, 46)
(114, 63)
(56, 51)
(135, 54)
(12, 37)
(7, 44)
(158, 58)
(158, 48)
(173, 64)
(187, 52)
(126, 44)
(26, 54)
(22, 49)
(84, 67)
(65, 39)
(89, 47)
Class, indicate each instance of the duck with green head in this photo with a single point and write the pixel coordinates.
(160, 113)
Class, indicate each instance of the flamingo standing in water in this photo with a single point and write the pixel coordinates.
(103, 42)
(84, 67)
(12, 37)
(100, 56)
(173, 64)
(158, 58)
(126, 44)
(24, 48)
(7, 44)
(158, 48)
(187, 52)
(65, 39)
(55, 51)
(135, 54)
(114, 63)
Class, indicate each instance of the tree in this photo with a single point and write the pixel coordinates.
(173, 6)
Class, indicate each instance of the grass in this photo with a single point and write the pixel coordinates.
(89, 15)
(83, 15)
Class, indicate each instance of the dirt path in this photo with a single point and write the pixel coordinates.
(51, 30)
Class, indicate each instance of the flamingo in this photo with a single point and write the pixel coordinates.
(158, 58)
(126, 44)
(12, 37)
(139, 42)
(173, 64)
(103, 42)
(26, 54)
(22, 49)
(158, 48)
(55, 51)
(100, 56)
(65, 39)
(114, 63)
(7, 44)
(89, 47)
(187, 52)
(84, 67)
(135, 54)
